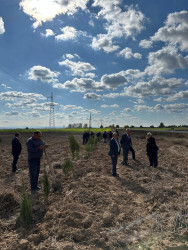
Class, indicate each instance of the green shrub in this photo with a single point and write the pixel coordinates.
(25, 208)
(91, 143)
(46, 184)
(74, 146)
(68, 168)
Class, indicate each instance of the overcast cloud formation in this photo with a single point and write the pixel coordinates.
(123, 63)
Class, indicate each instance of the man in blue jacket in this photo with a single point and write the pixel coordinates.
(114, 152)
(16, 151)
(35, 148)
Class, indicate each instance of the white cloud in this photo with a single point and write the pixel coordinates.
(170, 108)
(43, 74)
(145, 44)
(110, 106)
(113, 81)
(179, 95)
(68, 33)
(91, 23)
(127, 54)
(74, 107)
(119, 23)
(127, 110)
(2, 26)
(165, 61)
(103, 41)
(175, 30)
(156, 86)
(15, 95)
(46, 10)
(5, 86)
(48, 32)
(92, 96)
(78, 68)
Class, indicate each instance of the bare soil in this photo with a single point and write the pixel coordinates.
(145, 208)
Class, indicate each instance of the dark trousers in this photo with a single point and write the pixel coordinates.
(153, 159)
(133, 152)
(84, 141)
(125, 156)
(114, 164)
(34, 169)
(14, 163)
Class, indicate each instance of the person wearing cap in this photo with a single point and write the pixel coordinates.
(114, 152)
(152, 150)
(16, 151)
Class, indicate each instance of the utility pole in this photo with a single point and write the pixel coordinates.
(52, 115)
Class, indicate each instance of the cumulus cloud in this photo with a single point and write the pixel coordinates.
(48, 32)
(174, 31)
(2, 27)
(68, 33)
(145, 44)
(155, 86)
(92, 96)
(78, 68)
(165, 61)
(170, 108)
(80, 85)
(119, 23)
(15, 95)
(43, 74)
(103, 41)
(179, 95)
(46, 10)
(70, 106)
(110, 106)
(113, 81)
(127, 54)
(127, 110)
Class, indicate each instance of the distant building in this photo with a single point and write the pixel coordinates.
(75, 125)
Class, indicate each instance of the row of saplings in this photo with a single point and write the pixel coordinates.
(26, 218)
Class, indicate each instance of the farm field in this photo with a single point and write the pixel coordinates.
(145, 208)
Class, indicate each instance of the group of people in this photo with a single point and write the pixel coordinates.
(86, 136)
(36, 147)
(126, 144)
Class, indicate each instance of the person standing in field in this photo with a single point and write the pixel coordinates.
(104, 136)
(16, 151)
(35, 148)
(126, 144)
(152, 150)
(114, 152)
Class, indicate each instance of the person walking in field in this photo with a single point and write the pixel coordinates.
(35, 148)
(114, 152)
(104, 136)
(16, 151)
(152, 150)
(126, 144)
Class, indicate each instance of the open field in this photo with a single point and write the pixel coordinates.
(145, 208)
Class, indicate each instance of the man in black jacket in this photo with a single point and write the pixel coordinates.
(35, 148)
(151, 150)
(114, 152)
(16, 151)
(126, 144)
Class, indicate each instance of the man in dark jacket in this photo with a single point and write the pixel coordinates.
(16, 151)
(84, 137)
(151, 150)
(35, 148)
(114, 152)
(104, 136)
(126, 144)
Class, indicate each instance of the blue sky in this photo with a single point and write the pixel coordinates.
(125, 62)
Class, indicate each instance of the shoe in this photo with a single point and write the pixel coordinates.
(18, 169)
(115, 175)
(38, 188)
(15, 172)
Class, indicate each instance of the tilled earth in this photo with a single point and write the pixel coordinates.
(145, 208)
